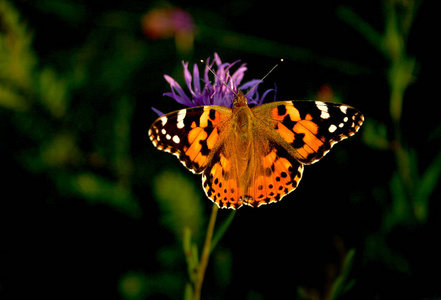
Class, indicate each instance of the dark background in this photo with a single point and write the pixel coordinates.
(84, 213)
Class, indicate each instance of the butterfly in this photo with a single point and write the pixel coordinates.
(253, 155)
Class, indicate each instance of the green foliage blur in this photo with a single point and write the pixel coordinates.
(91, 210)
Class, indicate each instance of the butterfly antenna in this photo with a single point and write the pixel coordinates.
(261, 80)
(215, 75)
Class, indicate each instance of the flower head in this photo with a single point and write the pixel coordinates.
(221, 91)
(167, 22)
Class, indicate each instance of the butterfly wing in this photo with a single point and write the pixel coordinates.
(309, 129)
(276, 174)
(265, 174)
(191, 134)
(221, 181)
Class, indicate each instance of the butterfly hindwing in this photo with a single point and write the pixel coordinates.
(190, 134)
(276, 175)
(220, 181)
(311, 128)
(281, 174)
(273, 174)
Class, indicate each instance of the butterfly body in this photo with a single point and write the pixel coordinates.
(255, 155)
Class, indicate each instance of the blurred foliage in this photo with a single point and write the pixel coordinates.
(180, 203)
(107, 216)
(41, 99)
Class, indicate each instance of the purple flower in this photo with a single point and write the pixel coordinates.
(216, 92)
(167, 22)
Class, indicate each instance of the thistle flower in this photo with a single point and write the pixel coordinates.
(167, 22)
(216, 92)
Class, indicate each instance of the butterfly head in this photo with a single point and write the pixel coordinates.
(240, 100)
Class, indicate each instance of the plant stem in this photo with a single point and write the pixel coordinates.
(205, 254)
(222, 229)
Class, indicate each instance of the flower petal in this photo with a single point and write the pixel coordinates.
(196, 80)
(250, 84)
(158, 112)
(182, 100)
(188, 77)
(260, 100)
(238, 75)
(180, 97)
(175, 86)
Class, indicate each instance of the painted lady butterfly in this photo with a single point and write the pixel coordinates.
(255, 155)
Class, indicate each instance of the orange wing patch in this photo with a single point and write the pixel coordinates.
(190, 134)
(310, 127)
(278, 176)
(287, 134)
(311, 142)
(288, 110)
(221, 183)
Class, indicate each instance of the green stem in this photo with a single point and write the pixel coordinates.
(205, 254)
(222, 229)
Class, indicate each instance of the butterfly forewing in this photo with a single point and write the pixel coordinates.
(191, 134)
(310, 128)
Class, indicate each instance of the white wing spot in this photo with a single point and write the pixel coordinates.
(324, 109)
(163, 120)
(180, 118)
(332, 128)
(176, 139)
(343, 109)
(324, 115)
(163, 131)
(341, 125)
(168, 136)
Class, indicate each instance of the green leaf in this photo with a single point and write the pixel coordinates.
(17, 59)
(399, 211)
(426, 185)
(53, 92)
(375, 135)
(342, 284)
